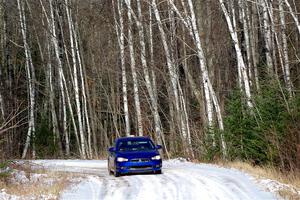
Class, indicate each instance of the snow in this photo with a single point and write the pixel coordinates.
(6, 196)
(37, 177)
(180, 180)
(275, 186)
(82, 166)
(19, 177)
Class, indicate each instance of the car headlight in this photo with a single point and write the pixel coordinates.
(157, 157)
(120, 159)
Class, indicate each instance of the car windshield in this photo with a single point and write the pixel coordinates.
(136, 145)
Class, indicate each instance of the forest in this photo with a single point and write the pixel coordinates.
(206, 79)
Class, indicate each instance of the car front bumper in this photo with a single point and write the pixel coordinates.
(138, 167)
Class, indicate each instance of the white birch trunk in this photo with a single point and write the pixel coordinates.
(279, 45)
(149, 85)
(31, 81)
(170, 64)
(240, 59)
(67, 93)
(83, 92)
(153, 77)
(63, 86)
(208, 89)
(133, 71)
(185, 124)
(180, 118)
(245, 19)
(286, 71)
(205, 75)
(295, 18)
(161, 138)
(76, 86)
(274, 36)
(253, 41)
(60, 75)
(192, 28)
(234, 26)
(120, 36)
(267, 36)
(72, 116)
(51, 93)
(2, 105)
(2, 42)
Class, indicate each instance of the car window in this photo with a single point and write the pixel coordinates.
(135, 145)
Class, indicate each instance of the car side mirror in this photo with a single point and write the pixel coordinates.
(111, 149)
(158, 146)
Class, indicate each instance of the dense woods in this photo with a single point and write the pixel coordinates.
(207, 79)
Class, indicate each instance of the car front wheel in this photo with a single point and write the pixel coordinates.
(116, 173)
(108, 168)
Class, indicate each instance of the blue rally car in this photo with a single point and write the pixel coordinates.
(134, 155)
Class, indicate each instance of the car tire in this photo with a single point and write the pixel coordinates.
(109, 168)
(116, 173)
(158, 172)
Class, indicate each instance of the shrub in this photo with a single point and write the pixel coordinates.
(267, 134)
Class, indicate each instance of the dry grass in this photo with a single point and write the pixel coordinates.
(51, 185)
(36, 189)
(292, 179)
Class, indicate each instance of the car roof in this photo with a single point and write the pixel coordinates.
(133, 138)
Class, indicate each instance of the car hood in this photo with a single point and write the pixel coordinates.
(137, 154)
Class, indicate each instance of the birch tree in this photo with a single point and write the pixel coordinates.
(267, 35)
(170, 64)
(240, 60)
(295, 18)
(2, 41)
(60, 80)
(76, 85)
(30, 72)
(120, 34)
(209, 93)
(171, 68)
(133, 71)
(149, 84)
(253, 44)
(244, 12)
(285, 49)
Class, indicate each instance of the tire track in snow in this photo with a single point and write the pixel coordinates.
(179, 181)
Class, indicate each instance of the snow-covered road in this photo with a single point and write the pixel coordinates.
(180, 180)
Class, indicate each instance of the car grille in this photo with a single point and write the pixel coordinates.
(141, 167)
(140, 160)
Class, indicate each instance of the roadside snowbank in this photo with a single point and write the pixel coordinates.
(275, 186)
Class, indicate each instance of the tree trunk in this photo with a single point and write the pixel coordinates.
(60, 72)
(241, 63)
(149, 84)
(267, 36)
(31, 83)
(120, 36)
(295, 18)
(76, 86)
(285, 49)
(2, 62)
(133, 71)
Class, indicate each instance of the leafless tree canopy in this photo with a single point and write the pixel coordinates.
(74, 75)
